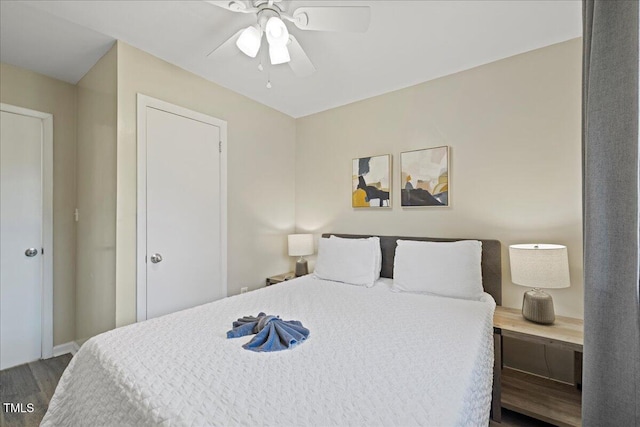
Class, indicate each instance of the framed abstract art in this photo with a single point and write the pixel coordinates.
(371, 182)
(424, 177)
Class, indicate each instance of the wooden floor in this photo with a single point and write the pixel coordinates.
(30, 383)
(35, 383)
(514, 419)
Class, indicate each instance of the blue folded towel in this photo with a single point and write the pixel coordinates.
(272, 333)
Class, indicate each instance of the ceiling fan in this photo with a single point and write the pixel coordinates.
(284, 47)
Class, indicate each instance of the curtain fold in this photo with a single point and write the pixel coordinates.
(611, 378)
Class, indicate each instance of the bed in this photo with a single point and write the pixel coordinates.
(373, 357)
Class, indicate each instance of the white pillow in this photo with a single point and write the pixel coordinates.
(375, 241)
(450, 269)
(346, 260)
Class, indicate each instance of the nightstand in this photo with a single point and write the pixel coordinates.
(280, 278)
(545, 399)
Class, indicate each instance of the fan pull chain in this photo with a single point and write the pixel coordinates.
(262, 67)
(269, 86)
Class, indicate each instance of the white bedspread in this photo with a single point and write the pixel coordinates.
(374, 357)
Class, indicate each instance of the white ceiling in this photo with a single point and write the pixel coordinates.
(408, 42)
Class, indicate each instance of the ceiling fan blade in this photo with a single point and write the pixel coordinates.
(242, 6)
(300, 62)
(228, 48)
(333, 18)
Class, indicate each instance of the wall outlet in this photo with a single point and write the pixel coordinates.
(244, 290)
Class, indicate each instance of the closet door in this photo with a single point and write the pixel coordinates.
(183, 213)
(21, 218)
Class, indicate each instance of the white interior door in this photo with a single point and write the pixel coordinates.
(21, 242)
(183, 213)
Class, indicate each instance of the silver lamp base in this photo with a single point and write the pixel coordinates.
(301, 267)
(537, 306)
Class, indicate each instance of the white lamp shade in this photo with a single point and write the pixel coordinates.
(539, 265)
(249, 41)
(277, 33)
(300, 244)
(279, 54)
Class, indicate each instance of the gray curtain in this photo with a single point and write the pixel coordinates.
(611, 383)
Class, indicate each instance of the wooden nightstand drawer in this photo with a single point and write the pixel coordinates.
(279, 278)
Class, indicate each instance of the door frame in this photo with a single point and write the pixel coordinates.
(47, 222)
(145, 101)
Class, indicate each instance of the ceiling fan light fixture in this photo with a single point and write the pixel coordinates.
(249, 41)
(279, 54)
(277, 33)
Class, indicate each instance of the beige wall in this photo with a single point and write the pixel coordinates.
(261, 154)
(96, 176)
(27, 89)
(514, 131)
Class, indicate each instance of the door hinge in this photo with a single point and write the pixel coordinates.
(76, 214)
(220, 146)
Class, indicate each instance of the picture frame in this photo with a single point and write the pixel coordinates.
(424, 177)
(371, 185)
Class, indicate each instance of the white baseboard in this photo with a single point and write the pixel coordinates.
(68, 347)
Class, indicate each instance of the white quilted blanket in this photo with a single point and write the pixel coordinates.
(374, 357)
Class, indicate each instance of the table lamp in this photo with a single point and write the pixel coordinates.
(301, 245)
(539, 266)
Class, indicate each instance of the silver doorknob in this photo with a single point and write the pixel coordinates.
(31, 252)
(156, 258)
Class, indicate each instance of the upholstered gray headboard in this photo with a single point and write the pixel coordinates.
(491, 259)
